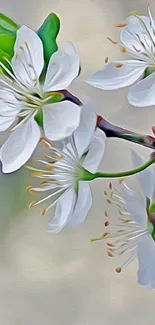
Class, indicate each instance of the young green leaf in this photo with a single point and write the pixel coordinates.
(48, 33)
(7, 23)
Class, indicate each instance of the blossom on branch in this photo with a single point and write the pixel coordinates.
(138, 40)
(29, 94)
(133, 232)
(65, 170)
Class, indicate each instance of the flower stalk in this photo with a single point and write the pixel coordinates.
(113, 131)
(87, 176)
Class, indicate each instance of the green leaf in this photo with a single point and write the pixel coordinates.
(148, 71)
(4, 55)
(7, 23)
(48, 33)
(7, 42)
(8, 30)
(152, 208)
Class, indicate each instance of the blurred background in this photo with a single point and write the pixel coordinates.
(63, 279)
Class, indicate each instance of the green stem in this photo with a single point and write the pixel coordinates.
(89, 176)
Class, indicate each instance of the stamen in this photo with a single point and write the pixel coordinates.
(45, 142)
(106, 213)
(113, 42)
(121, 180)
(134, 13)
(106, 60)
(35, 174)
(126, 220)
(31, 205)
(43, 212)
(108, 201)
(121, 25)
(100, 238)
(110, 186)
(49, 196)
(110, 245)
(49, 167)
(118, 65)
(109, 254)
(118, 269)
(130, 259)
(30, 189)
(29, 115)
(123, 49)
(106, 224)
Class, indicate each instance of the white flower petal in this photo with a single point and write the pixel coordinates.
(5, 122)
(84, 133)
(114, 76)
(134, 35)
(142, 94)
(134, 204)
(96, 151)
(63, 68)
(63, 210)
(146, 177)
(28, 60)
(83, 204)
(19, 146)
(146, 259)
(60, 119)
(9, 107)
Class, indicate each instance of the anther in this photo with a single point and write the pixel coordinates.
(26, 44)
(121, 25)
(108, 201)
(106, 213)
(31, 205)
(105, 234)
(28, 188)
(106, 60)
(37, 174)
(125, 220)
(123, 49)
(49, 167)
(30, 101)
(16, 56)
(134, 13)
(118, 65)
(21, 47)
(121, 180)
(118, 269)
(110, 245)
(109, 254)
(45, 142)
(105, 193)
(43, 182)
(110, 186)
(43, 212)
(10, 130)
(106, 224)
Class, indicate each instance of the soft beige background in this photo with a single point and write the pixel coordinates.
(63, 279)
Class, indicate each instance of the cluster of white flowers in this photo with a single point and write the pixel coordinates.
(34, 107)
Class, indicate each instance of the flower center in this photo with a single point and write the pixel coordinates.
(37, 102)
